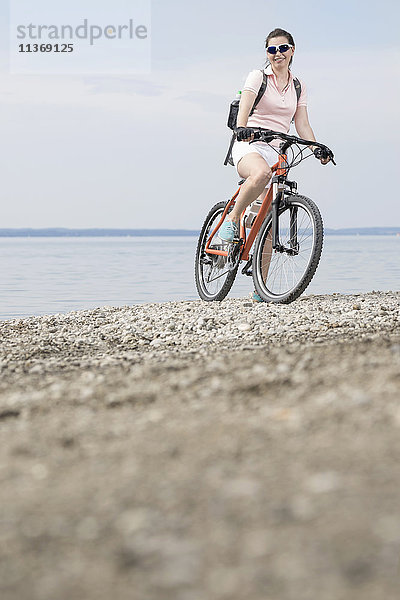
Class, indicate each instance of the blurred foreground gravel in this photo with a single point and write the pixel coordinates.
(201, 451)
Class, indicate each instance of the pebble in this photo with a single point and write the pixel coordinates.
(244, 327)
(323, 482)
(39, 471)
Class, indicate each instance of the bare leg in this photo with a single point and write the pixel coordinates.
(257, 173)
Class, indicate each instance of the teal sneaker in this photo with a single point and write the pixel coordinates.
(229, 231)
(256, 297)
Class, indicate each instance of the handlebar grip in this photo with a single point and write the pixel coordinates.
(324, 152)
(321, 153)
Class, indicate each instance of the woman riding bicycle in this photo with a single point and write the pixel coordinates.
(275, 111)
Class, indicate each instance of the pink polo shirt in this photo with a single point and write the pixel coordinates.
(275, 109)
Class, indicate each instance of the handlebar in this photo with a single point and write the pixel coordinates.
(267, 135)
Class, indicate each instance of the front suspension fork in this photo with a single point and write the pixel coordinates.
(278, 195)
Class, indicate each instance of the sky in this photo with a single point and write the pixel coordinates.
(146, 150)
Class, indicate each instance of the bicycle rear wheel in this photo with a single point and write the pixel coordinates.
(282, 277)
(213, 273)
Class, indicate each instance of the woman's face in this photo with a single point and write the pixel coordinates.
(280, 59)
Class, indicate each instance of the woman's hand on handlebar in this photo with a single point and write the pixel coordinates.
(244, 134)
(324, 155)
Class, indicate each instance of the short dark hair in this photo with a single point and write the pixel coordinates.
(280, 33)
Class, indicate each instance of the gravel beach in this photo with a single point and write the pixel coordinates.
(202, 451)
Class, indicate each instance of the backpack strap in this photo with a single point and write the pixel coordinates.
(297, 87)
(260, 92)
(228, 158)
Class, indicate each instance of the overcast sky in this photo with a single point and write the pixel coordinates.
(147, 150)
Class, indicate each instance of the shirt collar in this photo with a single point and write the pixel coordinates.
(268, 71)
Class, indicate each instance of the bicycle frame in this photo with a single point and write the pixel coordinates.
(272, 197)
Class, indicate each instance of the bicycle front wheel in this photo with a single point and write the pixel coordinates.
(213, 273)
(282, 276)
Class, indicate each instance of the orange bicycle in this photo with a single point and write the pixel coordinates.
(287, 229)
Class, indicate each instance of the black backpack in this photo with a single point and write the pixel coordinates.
(234, 109)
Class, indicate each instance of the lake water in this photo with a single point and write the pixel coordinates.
(51, 275)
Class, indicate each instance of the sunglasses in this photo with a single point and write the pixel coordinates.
(282, 48)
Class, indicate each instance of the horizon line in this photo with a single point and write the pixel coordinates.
(158, 232)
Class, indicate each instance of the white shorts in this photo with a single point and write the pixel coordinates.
(240, 149)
